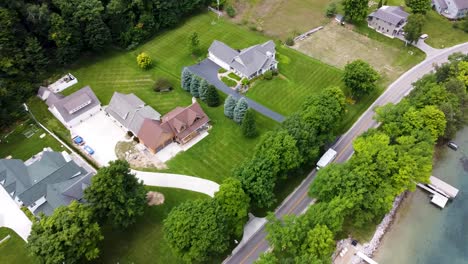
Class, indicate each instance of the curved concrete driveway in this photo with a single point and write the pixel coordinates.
(177, 181)
(298, 200)
(12, 217)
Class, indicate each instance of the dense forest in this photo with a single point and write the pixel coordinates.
(36, 36)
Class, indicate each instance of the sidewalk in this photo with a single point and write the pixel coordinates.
(177, 181)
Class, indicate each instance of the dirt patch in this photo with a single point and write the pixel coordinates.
(338, 45)
(154, 198)
(137, 155)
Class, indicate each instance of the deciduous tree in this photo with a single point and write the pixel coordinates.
(360, 78)
(356, 10)
(419, 6)
(413, 28)
(234, 203)
(69, 235)
(196, 230)
(116, 195)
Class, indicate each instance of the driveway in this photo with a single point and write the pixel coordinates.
(208, 70)
(12, 217)
(101, 133)
(177, 181)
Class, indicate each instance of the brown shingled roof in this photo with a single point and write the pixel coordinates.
(154, 134)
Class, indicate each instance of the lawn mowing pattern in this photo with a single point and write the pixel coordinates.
(16, 144)
(13, 250)
(144, 242)
(214, 157)
(299, 77)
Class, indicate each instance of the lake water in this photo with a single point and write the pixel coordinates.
(424, 234)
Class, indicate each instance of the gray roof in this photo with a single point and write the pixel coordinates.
(442, 4)
(130, 111)
(247, 61)
(461, 4)
(50, 175)
(390, 14)
(75, 104)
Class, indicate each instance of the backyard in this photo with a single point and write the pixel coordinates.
(281, 18)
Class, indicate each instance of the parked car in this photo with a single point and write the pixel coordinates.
(452, 145)
(78, 140)
(424, 36)
(89, 150)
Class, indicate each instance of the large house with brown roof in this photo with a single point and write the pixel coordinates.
(180, 125)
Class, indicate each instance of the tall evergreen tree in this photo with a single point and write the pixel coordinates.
(186, 79)
(241, 108)
(248, 126)
(194, 86)
(229, 106)
(212, 96)
(202, 90)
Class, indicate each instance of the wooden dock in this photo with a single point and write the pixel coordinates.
(441, 191)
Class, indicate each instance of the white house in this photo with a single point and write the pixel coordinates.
(75, 108)
(247, 63)
(452, 9)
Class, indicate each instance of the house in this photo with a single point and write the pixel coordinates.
(388, 20)
(452, 9)
(247, 63)
(73, 109)
(179, 125)
(130, 111)
(44, 182)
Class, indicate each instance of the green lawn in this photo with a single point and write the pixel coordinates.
(299, 76)
(441, 32)
(13, 250)
(144, 242)
(228, 81)
(234, 76)
(16, 144)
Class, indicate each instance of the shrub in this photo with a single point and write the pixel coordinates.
(245, 81)
(144, 60)
(222, 70)
(331, 10)
(268, 75)
(162, 84)
(289, 41)
(230, 11)
(275, 72)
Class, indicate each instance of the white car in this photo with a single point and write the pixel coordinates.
(424, 36)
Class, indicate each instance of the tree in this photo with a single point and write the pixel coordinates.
(331, 11)
(356, 10)
(34, 55)
(267, 258)
(194, 43)
(195, 86)
(319, 242)
(69, 235)
(463, 72)
(285, 236)
(419, 6)
(97, 34)
(144, 61)
(234, 203)
(413, 28)
(230, 11)
(248, 126)
(202, 89)
(212, 96)
(196, 229)
(240, 109)
(186, 79)
(380, 4)
(360, 78)
(116, 195)
(229, 106)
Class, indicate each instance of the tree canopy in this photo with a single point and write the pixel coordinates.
(248, 126)
(360, 78)
(413, 28)
(69, 235)
(356, 10)
(419, 6)
(116, 196)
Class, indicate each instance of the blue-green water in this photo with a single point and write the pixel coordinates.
(424, 234)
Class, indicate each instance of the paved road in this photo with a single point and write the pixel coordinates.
(177, 181)
(208, 70)
(298, 201)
